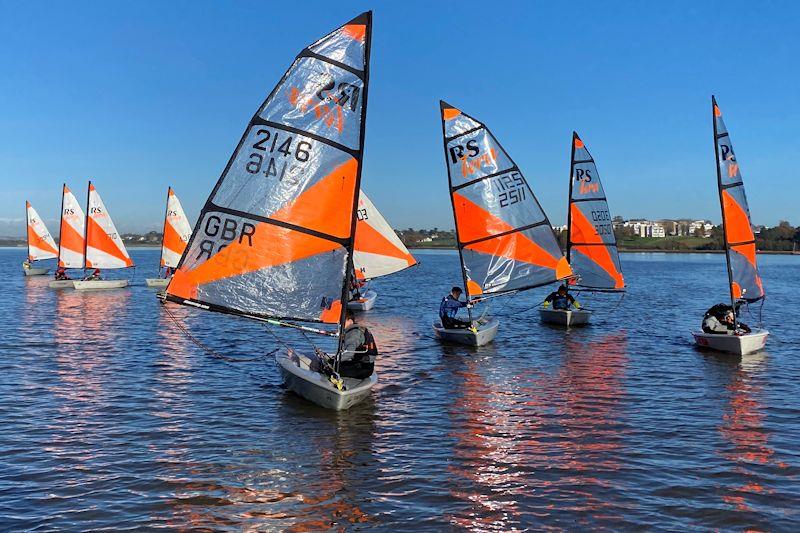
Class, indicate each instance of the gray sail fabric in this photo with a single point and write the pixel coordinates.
(276, 234)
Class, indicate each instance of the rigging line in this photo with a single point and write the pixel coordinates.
(207, 349)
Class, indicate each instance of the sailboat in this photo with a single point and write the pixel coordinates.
(744, 282)
(591, 245)
(378, 252)
(41, 245)
(71, 240)
(274, 242)
(103, 246)
(173, 242)
(505, 241)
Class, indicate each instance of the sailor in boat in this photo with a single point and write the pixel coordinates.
(448, 310)
(358, 350)
(355, 289)
(561, 299)
(61, 274)
(720, 319)
(94, 276)
(168, 272)
(26, 265)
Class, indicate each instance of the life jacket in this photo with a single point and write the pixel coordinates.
(369, 347)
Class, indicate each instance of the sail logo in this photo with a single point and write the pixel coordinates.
(328, 101)
(730, 158)
(584, 177)
(222, 233)
(471, 158)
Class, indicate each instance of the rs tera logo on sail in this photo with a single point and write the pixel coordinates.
(727, 155)
(471, 158)
(584, 176)
(327, 103)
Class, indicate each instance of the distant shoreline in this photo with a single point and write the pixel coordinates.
(640, 251)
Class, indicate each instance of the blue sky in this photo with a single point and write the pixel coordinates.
(142, 95)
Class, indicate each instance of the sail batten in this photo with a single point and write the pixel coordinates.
(505, 241)
(591, 244)
(740, 244)
(275, 237)
(40, 243)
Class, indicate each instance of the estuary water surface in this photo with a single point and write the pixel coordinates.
(112, 418)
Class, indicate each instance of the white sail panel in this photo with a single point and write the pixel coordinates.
(104, 246)
(40, 243)
(378, 249)
(177, 232)
(72, 233)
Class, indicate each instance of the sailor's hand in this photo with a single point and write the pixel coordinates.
(470, 305)
(546, 304)
(577, 304)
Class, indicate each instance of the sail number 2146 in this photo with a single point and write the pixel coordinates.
(275, 153)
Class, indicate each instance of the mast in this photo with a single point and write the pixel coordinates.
(61, 225)
(27, 230)
(164, 231)
(86, 226)
(349, 271)
(569, 198)
(442, 106)
(722, 209)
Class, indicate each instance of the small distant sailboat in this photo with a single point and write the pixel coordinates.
(591, 245)
(505, 241)
(275, 239)
(177, 232)
(103, 246)
(744, 281)
(378, 252)
(71, 240)
(41, 245)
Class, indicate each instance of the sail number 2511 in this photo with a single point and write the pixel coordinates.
(271, 151)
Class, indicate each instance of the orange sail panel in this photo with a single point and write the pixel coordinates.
(505, 239)
(591, 246)
(378, 249)
(104, 247)
(72, 233)
(40, 243)
(275, 237)
(743, 277)
(176, 232)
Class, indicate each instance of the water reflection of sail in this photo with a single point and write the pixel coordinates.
(505, 453)
(743, 428)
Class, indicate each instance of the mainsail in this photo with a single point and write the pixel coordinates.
(40, 244)
(740, 242)
(504, 237)
(378, 249)
(104, 247)
(591, 245)
(176, 232)
(275, 238)
(72, 232)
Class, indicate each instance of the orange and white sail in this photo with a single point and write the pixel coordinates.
(72, 232)
(591, 245)
(104, 247)
(378, 249)
(740, 242)
(40, 243)
(176, 232)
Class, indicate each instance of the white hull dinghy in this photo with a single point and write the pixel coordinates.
(40, 243)
(486, 330)
(506, 243)
(287, 255)
(99, 284)
(365, 303)
(61, 284)
(744, 281)
(301, 375)
(736, 344)
(157, 282)
(564, 317)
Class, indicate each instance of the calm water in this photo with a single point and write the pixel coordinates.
(113, 419)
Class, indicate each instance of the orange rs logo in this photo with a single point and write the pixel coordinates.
(733, 167)
(470, 167)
